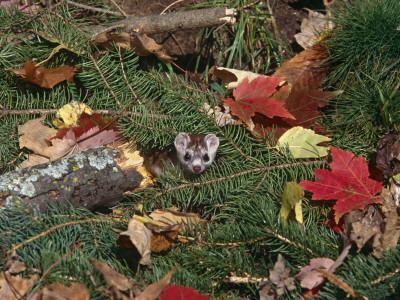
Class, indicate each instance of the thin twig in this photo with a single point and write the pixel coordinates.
(258, 186)
(255, 170)
(119, 8)
(169, 6)
(126, 78)
(104, 79)
(61, 259)
(95, 9)
(99, 111)
(282, 238)
(44, 233)
(386, 276)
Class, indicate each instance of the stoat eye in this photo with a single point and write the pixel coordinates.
(206, 157)
(187, 156)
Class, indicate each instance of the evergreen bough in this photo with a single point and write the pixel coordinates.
(240, 194)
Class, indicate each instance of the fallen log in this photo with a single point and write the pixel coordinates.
(95, 178)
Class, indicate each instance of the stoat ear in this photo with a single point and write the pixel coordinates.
(212, 142)
(181, 142)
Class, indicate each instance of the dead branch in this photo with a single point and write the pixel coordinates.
(172, 22)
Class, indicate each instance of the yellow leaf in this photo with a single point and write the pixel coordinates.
(302, 143)
(291, 201)
(70, 114)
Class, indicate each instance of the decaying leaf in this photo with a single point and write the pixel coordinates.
(44, 77)
(311, 28)
(222, 118)
(291, 202)
(172, 217)
(14, 287)
(139, 237)
(254, 96)
(303, 143)
(155, 289)
(232, 77)
(33, 135)
(279, 276)
(76, 291)
(349, 183)
(388, 154)
(70, 114)
(163, 236)
(361, 225)
(179, 292)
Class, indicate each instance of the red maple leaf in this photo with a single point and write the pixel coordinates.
(349, 183)
(303, 104)
(254, 97)
(179, 292)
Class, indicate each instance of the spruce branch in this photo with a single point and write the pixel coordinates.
(255, 170)
(94, 9)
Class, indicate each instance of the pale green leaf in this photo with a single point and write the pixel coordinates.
(302, 143)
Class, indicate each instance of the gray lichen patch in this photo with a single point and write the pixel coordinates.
(102, 159)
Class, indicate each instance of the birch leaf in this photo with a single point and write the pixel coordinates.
(302, 143)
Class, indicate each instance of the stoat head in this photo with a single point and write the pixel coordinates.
(196, 152)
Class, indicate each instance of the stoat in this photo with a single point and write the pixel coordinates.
(193, 154)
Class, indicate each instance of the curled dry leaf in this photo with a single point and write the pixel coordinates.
(76, 291)
(311, 28)
(171, 216)
(232, 77)
(44, 77)
(120, 286)
(139, 237)
(10, 284)
(143, 45)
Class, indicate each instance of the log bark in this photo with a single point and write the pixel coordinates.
(172, 22)
(94, 178)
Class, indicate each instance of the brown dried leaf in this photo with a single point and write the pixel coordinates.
(76, 291)
(222, 118)
(361, 225)
(388, 237)
(13, 287)
(139, 237)
(311, 28)
(171, 216)
(232, 77)
(388, 154)
(112, 277)
(111, 39)
(44, 77)
(33, 135)
(306, 70)
(163, 236)
(146, 46)
(33, 160)
(155, 289)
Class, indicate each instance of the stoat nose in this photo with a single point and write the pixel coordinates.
(196, 169)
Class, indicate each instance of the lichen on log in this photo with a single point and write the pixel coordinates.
(92, 179)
